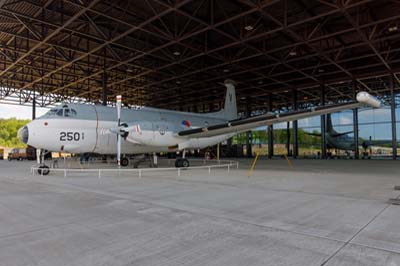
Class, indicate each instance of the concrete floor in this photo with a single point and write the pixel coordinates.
(319, 213)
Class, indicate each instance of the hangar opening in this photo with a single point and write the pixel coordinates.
(284, 55)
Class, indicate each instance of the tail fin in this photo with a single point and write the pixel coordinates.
(230, 109)
(329, 125)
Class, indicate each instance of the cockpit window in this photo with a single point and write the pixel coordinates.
(62, 112)
(69, 112)
(52, 112)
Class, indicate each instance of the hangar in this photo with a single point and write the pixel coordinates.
(175, 54)
(284, 55)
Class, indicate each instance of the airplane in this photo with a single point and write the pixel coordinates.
(343, 141)
(85, 128)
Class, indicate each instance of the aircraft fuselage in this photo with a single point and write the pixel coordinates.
(86, 128)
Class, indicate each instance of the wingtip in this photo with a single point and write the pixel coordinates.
(366, 98)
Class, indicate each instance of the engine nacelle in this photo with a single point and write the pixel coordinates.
(366, 98)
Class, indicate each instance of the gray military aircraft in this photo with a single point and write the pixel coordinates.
(343, 140)
(85, 128)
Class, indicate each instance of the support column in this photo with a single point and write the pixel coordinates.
(295, 127)
(393, 117)
(104, 92)
(270, 131)
(288, 139)
(323, 124)
(34, 105)
(355, 123)
(249, 152)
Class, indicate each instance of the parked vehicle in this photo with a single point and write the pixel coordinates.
(20, 154)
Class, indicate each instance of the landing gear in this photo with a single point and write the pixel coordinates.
(42, 169)
(124, 162)
(182, 162)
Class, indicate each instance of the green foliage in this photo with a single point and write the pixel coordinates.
(8, 132)
(280, 136)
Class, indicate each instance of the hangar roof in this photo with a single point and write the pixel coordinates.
(176, 53)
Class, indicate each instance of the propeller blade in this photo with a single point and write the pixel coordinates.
(119, 98)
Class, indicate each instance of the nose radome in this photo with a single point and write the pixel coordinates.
(23, 134)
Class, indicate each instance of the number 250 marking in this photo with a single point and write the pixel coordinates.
(70, 136)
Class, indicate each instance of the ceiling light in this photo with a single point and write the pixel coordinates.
(176, 53)
(243, 98)
(321, 70)
(260, 82)
(226, 70)
(178, 82)
(293, 53)
(129, 70)
(392, 29)
(248, 28)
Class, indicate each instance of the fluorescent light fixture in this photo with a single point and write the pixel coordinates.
(293, 53)
(392, 29)
(176, 53)
(248, 27)
(226, 70)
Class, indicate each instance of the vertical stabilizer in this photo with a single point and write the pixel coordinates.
(230, 108)
(329, 125)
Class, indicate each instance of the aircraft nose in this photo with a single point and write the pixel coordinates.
(23, 134)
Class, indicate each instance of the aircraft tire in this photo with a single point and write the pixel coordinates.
(43, 170)
(124, 162)
(185, 163)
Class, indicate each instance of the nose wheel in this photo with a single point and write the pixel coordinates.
(42, 169)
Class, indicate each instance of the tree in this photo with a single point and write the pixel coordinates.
(8, 132)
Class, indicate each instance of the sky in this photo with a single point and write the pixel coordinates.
(342, 121)
(20, 111)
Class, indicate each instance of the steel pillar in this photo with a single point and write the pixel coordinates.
(249, 152)
(34, 105)
(288, 139)
(323, 124)
(295, 127)
(393, 117)
(355, 123)
(104, 92)
(270, 130)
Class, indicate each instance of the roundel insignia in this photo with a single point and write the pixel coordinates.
(185, 123)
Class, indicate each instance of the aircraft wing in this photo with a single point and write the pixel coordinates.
(341, 134)
(242, 125)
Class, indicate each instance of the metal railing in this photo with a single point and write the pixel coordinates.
(100, 172)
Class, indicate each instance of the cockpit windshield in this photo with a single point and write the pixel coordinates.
(63, 111)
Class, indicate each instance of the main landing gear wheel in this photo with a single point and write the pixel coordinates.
(124, 161)
(181, 163)
(43, 170)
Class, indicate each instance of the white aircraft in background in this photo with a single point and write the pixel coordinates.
(83, 128)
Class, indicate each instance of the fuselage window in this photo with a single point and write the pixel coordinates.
(60, 112)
